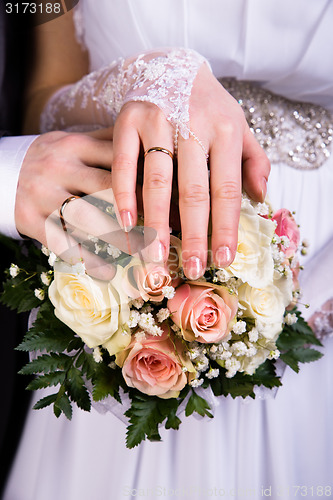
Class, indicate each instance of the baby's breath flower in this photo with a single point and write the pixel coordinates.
(39, 293)
(232, 365)
(46, 278)
(113, 251)
(168, 292)
(239, 348)
(92, 238)
(112, 365)
(213, 373)
(290, 319)
(140, 335)
(52, 259)
(147, 323)
(137, 303)
(253, 335)
(162, 314)
(285, 241)
(222, 275)
(275, 354)
(97, 355)
(262, 209)
(98, 248)
(239, 327)
(79, 268)
(133, 319)
(197, 382)
(45, 250)
(14, 270)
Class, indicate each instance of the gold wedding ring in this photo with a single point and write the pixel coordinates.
(62, 209)
(160, 150)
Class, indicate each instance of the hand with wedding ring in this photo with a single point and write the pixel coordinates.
(58, 168)
(236, 162)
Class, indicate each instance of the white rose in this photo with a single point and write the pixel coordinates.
(249, 364)
(253, 263)
(95, 310)
(267, 305)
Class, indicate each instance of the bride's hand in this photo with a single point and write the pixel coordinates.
(236, 162)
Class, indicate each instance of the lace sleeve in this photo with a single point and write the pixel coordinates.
(163, 78)
(317, 288)
(322, 321)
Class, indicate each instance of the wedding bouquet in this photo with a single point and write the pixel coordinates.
(155, 341)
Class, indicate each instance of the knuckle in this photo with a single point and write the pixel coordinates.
(157, 179)
(123, 198)
(227, 191)
(123, 162)
(194, 194)
(73, 141)
(228, 127)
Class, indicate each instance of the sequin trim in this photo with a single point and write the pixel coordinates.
(297, 133)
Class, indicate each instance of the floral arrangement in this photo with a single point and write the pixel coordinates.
(158, 339)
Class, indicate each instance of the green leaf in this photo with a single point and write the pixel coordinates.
(295, 356)
(173, 422)
(46, 401)
(63, 405)
(75, 386)
(20, 296)
(106, 382)
(265, 375)
(48, 380)
(197, 404)
(145, 415)
(239, 385)
(47, 363)
(47, 333)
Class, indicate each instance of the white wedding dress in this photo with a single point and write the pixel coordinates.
(251, 448)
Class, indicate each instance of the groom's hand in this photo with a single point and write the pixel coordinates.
(59, 165)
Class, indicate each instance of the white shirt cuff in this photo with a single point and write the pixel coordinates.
(12, 153)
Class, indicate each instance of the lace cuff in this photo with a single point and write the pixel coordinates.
(163, 78)
(322, 320)
(317, 287)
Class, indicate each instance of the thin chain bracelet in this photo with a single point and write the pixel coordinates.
(192, 134)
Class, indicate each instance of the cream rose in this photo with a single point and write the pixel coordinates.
(156, 365)
(203, 311)
(267, 305)
(95, 310)
(253, 262)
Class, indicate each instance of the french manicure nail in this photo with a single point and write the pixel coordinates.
(194, 268)
(264, 189)
(156, 251)
(223, 256)
(126, 220)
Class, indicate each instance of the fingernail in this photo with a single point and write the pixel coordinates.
(223, 256)
(264, 189)
(126, 220)
(194, 268)
(156, 251)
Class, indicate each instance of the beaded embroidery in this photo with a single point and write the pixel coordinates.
(297, 133)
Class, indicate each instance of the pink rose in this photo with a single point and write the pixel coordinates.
(203, 311)
(147, 280)
(154, 365)
(286, 226)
